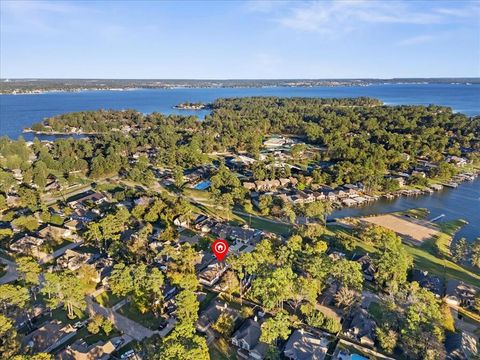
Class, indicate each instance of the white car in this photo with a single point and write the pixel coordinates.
(128, 354)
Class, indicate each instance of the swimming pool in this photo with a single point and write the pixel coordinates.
(358, 357)
(202, 185)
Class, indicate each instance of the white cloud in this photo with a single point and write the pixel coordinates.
(33, 16)
(340, 16)
(416, 40)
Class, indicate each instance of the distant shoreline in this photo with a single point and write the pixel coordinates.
(38, 87)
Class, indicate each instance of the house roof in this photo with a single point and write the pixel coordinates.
(46, 336)
(459, 289)
(249, 332)
(305, 346)
(432, 283)
(363, 324)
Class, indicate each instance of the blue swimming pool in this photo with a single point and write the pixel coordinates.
(358, 357)
(202, 185)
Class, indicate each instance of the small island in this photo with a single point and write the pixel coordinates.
(193, 106)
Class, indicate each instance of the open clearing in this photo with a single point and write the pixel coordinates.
(411, 230)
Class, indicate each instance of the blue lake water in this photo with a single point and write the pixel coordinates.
(20, 111)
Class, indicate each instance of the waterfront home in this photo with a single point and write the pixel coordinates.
(429, 282)
(303, 345)
(331, 196)
(457, 161)
(307, 197)
(400, 181)
(349, 202)
(368, 266)
(247, 339)
(458, 293)
(319, 196)
(461, 346)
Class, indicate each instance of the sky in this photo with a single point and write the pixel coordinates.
(239, 39)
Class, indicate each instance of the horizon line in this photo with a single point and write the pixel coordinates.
(242, 79)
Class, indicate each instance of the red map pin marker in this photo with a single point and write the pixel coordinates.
(220, 249)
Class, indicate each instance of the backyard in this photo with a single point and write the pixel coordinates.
(148, 319)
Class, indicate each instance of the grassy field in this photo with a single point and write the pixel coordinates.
(444, 268)
(148, 319)
(424, 258)
(207, 206)
(375, 309)
(417, 213)
(107, 299)
(264, 224)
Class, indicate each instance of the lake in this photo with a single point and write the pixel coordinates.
(462, 202)
(20, 111)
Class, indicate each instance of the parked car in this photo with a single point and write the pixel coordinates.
(117, 343)
(128, 354)
(162, 325)
(79, 324)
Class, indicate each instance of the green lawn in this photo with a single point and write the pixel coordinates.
(148, 319)
(188, 232)
(61, 315)
(220, 349)
(418, 213)
(101, 336)
(375, 309)
(451, 227)
(256, 223)
(107, 299)
(424, 258)
(444, 268)
(209, 297)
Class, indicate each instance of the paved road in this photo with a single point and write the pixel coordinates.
(66, 195)
(124, 324)
(11, 271)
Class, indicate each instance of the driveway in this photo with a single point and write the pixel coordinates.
(11, 271)
(59, 252)
(122, 323)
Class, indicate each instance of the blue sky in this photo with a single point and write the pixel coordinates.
(239, 39)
